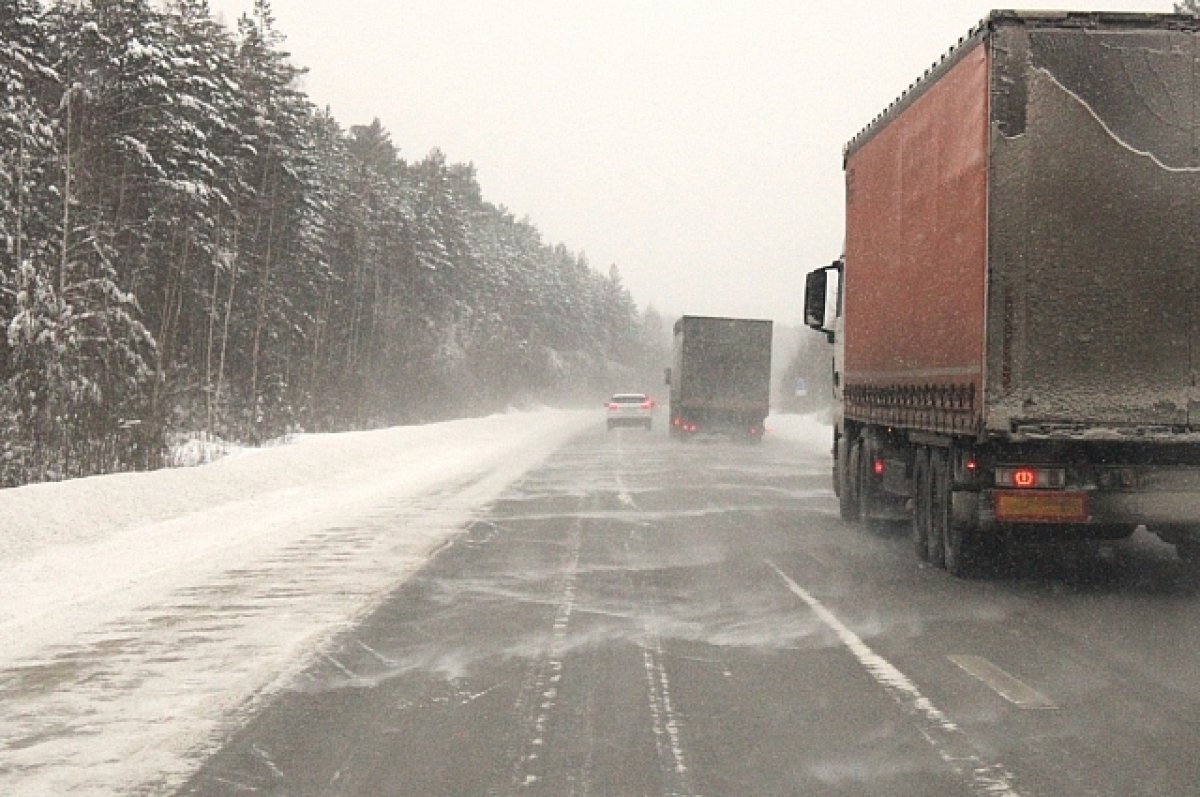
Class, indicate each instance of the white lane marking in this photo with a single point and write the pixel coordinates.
(542, 686)
(623, 493)
(1002, 683)
(985, 778)
(665, 721)
(622, 490)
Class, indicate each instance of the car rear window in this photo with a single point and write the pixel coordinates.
(629, 398)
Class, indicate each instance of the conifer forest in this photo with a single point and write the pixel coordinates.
(189, 245)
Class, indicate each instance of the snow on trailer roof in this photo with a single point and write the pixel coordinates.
(986, 26)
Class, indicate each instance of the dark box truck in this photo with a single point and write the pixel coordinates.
(1014, 318)
(720, 376)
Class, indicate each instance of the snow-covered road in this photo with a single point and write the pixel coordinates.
(142, 616)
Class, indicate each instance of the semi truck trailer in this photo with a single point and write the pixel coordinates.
(1014, 318)
(720, 376)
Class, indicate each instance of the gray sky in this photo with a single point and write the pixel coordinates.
(696, 144)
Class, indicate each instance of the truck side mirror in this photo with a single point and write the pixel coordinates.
(815, 286)
(667, 375)
(816, 292)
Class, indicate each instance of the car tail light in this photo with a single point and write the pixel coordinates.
(647, 405)
(877, 467)
(614, 407)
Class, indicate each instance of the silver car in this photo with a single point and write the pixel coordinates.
(631, 409)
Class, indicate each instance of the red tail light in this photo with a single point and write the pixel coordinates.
(1026, 477)
(877, 467)
(647, 405)
(614, 407)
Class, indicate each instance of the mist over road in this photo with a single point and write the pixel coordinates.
(642, 617)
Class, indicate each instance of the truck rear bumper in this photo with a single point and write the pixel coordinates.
(1101, 508)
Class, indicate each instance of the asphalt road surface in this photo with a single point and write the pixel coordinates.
(646, 617)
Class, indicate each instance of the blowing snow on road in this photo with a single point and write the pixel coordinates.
(141, 615)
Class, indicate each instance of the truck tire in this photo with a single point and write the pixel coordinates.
(939, 506)
(865, 486)
(962, 551)
(921, 505)
(835, 472)
(848, 497)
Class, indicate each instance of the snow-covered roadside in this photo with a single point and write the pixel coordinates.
(141, 613)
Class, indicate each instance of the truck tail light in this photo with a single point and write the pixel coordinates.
(1027, 477)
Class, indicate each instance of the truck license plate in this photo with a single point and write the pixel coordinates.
(1034, 507)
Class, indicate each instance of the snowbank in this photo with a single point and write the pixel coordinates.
(160, 605)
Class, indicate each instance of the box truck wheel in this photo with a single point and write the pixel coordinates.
(921, 504)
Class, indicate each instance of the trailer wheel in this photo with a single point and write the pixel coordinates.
(864, 484)
(848, 494)
(961, 551)
(959, 554)
(921, 501)
(939, 506)
(835, 471)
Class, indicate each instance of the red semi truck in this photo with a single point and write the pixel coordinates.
(1016, 316)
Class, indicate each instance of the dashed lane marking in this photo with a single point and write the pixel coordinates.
(984, 778)
(1002, 683)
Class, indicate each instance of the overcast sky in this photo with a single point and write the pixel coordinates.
(695, 144)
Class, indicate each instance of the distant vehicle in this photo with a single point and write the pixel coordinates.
(631, 409)
(720, 376)
(1014, 321)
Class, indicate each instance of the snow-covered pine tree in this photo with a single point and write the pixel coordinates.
(29, 90)
(76, 343)
(280, 224)
(208, 180)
